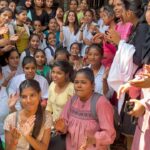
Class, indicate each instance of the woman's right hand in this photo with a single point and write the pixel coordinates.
(3, 30)
(27, 127)
(7, 48)
(13, 100)
(15, 134)
(14, 38)
(98, 38)
(84, 145)
(123, 89)
(60, 126)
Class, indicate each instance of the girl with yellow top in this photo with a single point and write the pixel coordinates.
(21, 29)
(61, 89)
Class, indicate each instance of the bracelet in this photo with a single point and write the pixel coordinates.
(81, 30)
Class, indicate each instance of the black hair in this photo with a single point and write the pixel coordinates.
(60, 8)
(7, 54)
(49, 35)
(89, 10)
(39, 50)
(20, 9)
(5, 9)
(109, 10)
(88, 73)
(61, 50)
(39, 113)
(73, 0)
(134, 5)
(11, 1)
(27, 60)
(98, 47)
(76, 43)
(86, 2)
(146, 59)
(29, 20)
(32, 35)
(0, 69)
(66, 67)
(37, 20)
(51, 19)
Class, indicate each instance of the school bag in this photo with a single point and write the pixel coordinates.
(61, 139)
(51, 50)
(27, 52)
(95, 97)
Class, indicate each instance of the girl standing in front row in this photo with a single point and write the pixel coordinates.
(82, 129)
(30, 127)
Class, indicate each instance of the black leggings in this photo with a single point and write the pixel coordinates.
(1, 148)
(57, 142)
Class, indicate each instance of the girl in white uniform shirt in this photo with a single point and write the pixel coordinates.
(29, 68)
(69, 32)
(51, 47)
(95, 55)
(12, 59)
(4, 110)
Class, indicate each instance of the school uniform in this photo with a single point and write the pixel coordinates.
(4, 109)
(50, 52)
(17, 80)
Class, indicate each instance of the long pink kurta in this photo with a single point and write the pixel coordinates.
(79, 125)
(141, 139)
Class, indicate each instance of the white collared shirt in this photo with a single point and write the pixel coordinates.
(4, 110)
(17, 80)
(99, 80)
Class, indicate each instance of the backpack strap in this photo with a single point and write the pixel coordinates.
(27, 52)
(95, 97)
(73, 99)
(51, 50)
(16, 121)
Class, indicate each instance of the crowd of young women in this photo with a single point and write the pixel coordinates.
(65, 77)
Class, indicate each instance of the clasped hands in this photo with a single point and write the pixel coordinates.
(25, 129)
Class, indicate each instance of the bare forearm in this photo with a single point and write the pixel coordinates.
(81, 36)
(11, 146)
(61, 36)
(12, 109)
(35, 143)
(4, 42)
(105, 87)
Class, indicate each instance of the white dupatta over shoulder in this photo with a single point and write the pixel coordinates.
(122, 68)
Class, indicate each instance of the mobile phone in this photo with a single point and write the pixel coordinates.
(94, 33)
(106, 32)
(128, 106)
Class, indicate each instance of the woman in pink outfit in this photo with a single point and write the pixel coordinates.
(123, 28)
(83, 130)
(141, 109)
